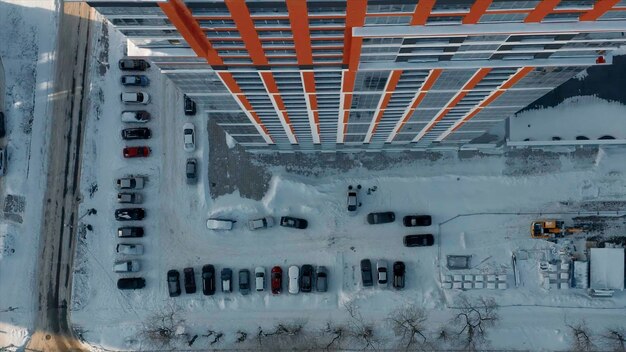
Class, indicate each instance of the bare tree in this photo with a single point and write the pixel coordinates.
(217, 336)
(581, 337)
(361, 334)
(336, 335)
(615, 339)
(409, 324)
(241, 336)
(163, 328)
(284, 336)
(472, 322)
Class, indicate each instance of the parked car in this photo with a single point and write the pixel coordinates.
(294, 279)
(424, 240)
(191, 171)
(261, 223)
(136, 152)
(220, 224)
(190, 106)
(140, 116)
(296, 223)
(3, 129)
(173, 283)
(244, 281)
(321, 279)
(277, 280)
(417, 220)
(227, 280)
(129, 197)
(366, 273)
(189, 134)
(381, 268)
(135, 97)
(126, 266)
(208, 279)
(131, 283)
(130, 182)
(135, 80)
(130, 231)
(129, 249)
(259, 278)
(306, 278)
(136, 133)
(126, 214)
(133, 65)
(398, 275)
(190, 280)
(353, 202)
(3, 161)
(381, 218)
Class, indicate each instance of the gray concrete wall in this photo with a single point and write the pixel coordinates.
(2, 85)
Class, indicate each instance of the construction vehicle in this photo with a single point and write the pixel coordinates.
(550, 229)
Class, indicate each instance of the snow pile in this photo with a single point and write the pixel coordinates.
(230, 141)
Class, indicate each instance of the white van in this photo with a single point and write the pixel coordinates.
(126, 266)
(220, 224)
(135, 97)
(259, 276)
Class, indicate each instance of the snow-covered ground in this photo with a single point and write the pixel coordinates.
(176, 237)
(27, 44)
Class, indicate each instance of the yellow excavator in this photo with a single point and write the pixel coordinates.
(547, 229)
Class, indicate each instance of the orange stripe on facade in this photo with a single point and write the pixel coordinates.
(355, 11)
(390, 88)
(478, 9)
(298, 17)
(600, 8)
(422, 11)
(521, 73)
(241, 16)
(543, 9)
(469, 85)
(180, 16)
(428, 83)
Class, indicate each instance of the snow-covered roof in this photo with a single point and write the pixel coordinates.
(607, 268)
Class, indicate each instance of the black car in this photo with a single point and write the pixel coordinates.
(135, 80)
(424, 240)
(227, 280)
(133, 65)
(208, 279)
(190, 280)
(244, 281)
(321, 281)
(173, 283)
(130, 231)
(398, 275)
(126, 214)
(417, 220)
(131, 283)
(190, 106)
(3, 130)
(136, 133)
(381, 218)
(306, 278)
(296, 223)
(191, 171)
(366, 273)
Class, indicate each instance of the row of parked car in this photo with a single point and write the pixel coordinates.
(255, 224)
(129, 187)
(382, 274)
(301, 279)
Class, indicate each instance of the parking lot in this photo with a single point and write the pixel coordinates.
(176, 235)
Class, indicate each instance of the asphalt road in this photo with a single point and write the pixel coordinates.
(52, 324)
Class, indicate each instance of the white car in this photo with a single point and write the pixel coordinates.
(259, 278)
(135, 97)
(381, 267)
(294, 279)
(261, 223)
(129, 249)
(135, 116)
(353, 202)
(130, 182)
(189, 131)
(219, 224)
(126, 266)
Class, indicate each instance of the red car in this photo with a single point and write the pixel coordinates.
(277, 280)
(136, 152)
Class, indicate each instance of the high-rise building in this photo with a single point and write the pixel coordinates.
(326, 75)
